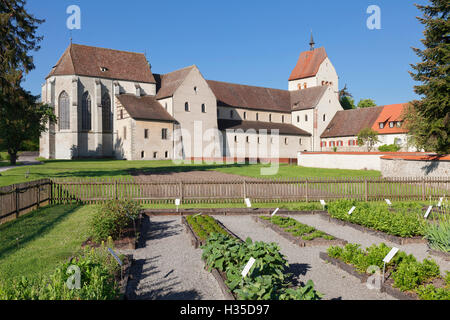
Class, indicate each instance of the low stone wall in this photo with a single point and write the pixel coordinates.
(415, 167)
(346, 160)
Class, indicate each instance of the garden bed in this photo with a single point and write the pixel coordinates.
(405, 277)
(440, 254)
(128, 241)
(125, 275)
(380, 234)
(384, 287)
(298, 239)
(196, 241)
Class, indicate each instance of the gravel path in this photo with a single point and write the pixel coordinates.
(167, 267)
(366, 240)
(305, 263)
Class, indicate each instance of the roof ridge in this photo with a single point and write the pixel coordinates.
(103, 48)
(247, 85)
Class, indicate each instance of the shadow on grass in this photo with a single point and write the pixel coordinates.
(17, 233)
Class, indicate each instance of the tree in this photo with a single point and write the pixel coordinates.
(428, 119)
(366, 103)
(368, 137)
(346, 99)
(347, 103)
(21, 116)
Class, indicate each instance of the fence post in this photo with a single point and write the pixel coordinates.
(115, 190)
(366, 189)
(423, 189)
(38, 194)
(17, 202)
(181, 191)
(306, 191)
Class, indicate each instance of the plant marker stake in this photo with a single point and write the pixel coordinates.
(440, 202)
(177, 203)
(322, 202)
(428, 211)
(388, 202)
(351, 210)
(275, 212)
(248, 203)
(388, 258)
(247, 268)
(118, 261)
(198, 214)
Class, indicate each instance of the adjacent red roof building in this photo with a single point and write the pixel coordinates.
(391, 119)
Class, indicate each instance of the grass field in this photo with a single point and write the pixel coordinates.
(36, 243)
(119, 168)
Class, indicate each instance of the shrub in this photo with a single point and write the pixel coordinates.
(389, 148)
(112, 218)
(98, 269)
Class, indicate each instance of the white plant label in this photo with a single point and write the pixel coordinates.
(388, 202)
(351, 210)
(275, 212)
(390, 255)
(440, 202)
(177, 202)
(248, 203)
(247, 268)
(115, 256)
(322, 202)
(428, 212)
(198, 214)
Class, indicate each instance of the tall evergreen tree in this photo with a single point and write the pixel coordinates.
(22, 117)
(428, 119)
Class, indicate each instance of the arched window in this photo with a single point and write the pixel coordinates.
(106, 113)
(64, 111)
(186, 106)
(86, 112)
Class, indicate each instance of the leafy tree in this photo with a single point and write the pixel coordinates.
(368, 137)
(428, 119)
(346, 99)
(366, 103)
(348, 103)
(21, 116)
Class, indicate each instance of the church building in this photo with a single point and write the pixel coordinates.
(109, 103)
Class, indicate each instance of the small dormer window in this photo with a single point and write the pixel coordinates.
(391, 124)
(103, 69)
(381, 125)
(399, 124)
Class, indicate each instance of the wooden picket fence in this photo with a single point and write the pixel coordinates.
(16, 199)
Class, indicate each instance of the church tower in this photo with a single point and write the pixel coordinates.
(313, 69)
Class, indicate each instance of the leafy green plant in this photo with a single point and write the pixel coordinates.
(403, 220)
(298, 229)
(112, 218)
(408, 273)
(389, 148)
(266, 279)
(98, 272)
(438, 234)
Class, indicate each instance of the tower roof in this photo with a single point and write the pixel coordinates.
(308, 64)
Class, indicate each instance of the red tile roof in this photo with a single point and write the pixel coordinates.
(391, 113)
(418, 158)
(308, 64)
(88, 61)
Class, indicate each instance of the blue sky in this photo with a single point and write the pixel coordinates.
(248, 42)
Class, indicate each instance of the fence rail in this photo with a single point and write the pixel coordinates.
(17, 199)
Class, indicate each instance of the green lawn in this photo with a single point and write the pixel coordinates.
(36, 243)
(120, 168)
